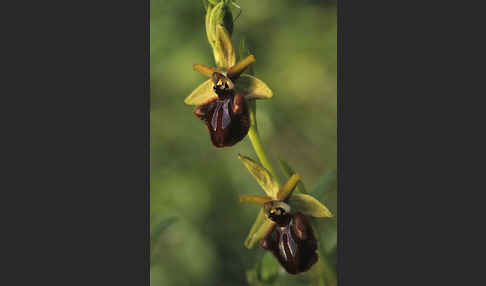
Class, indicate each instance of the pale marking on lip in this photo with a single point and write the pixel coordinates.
(214, 119)
(286, 232)
(226, 117)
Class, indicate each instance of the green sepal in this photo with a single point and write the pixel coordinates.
(202, 94)
(259, 229)
(309, 205)
(252, 87)
(261, 175)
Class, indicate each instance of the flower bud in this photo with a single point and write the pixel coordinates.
(219, 27)
(221, 15)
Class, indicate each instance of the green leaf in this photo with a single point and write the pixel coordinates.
(201, 94)
(261, 175)
(252, 88)
(265, 271)
(289, 171)
(205, 4)
(317, 273)
(268, 268)
(161, 227)
(259, 229)
(325, 183)
(252, 277)
(245, 52)
(309, 205)
(325, 271)
(328, 234)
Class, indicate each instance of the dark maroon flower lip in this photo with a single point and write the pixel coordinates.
(292, 242)
(226, 117)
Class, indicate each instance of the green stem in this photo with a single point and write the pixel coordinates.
(328, 273)
(257, 143)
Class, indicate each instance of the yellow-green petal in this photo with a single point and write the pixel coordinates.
(308, 205)
(261, 175)
(205, 70)
(288, 188)
(255, 199)
(236, 70)
(201, 94)
(252, 87)
(289, 171)
(258, 230)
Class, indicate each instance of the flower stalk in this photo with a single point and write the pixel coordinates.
(256, 143)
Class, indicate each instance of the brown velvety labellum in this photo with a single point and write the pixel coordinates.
(226, 118)
(293, 243)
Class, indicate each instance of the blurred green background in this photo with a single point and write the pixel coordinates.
(197, 224)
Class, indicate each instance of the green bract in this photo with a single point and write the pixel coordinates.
(261, 175)
(219, 27)
(258, 230)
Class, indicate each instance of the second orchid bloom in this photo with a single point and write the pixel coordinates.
(283, 226)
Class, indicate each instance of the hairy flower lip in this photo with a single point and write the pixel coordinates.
(292, 242)
(226, 119)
